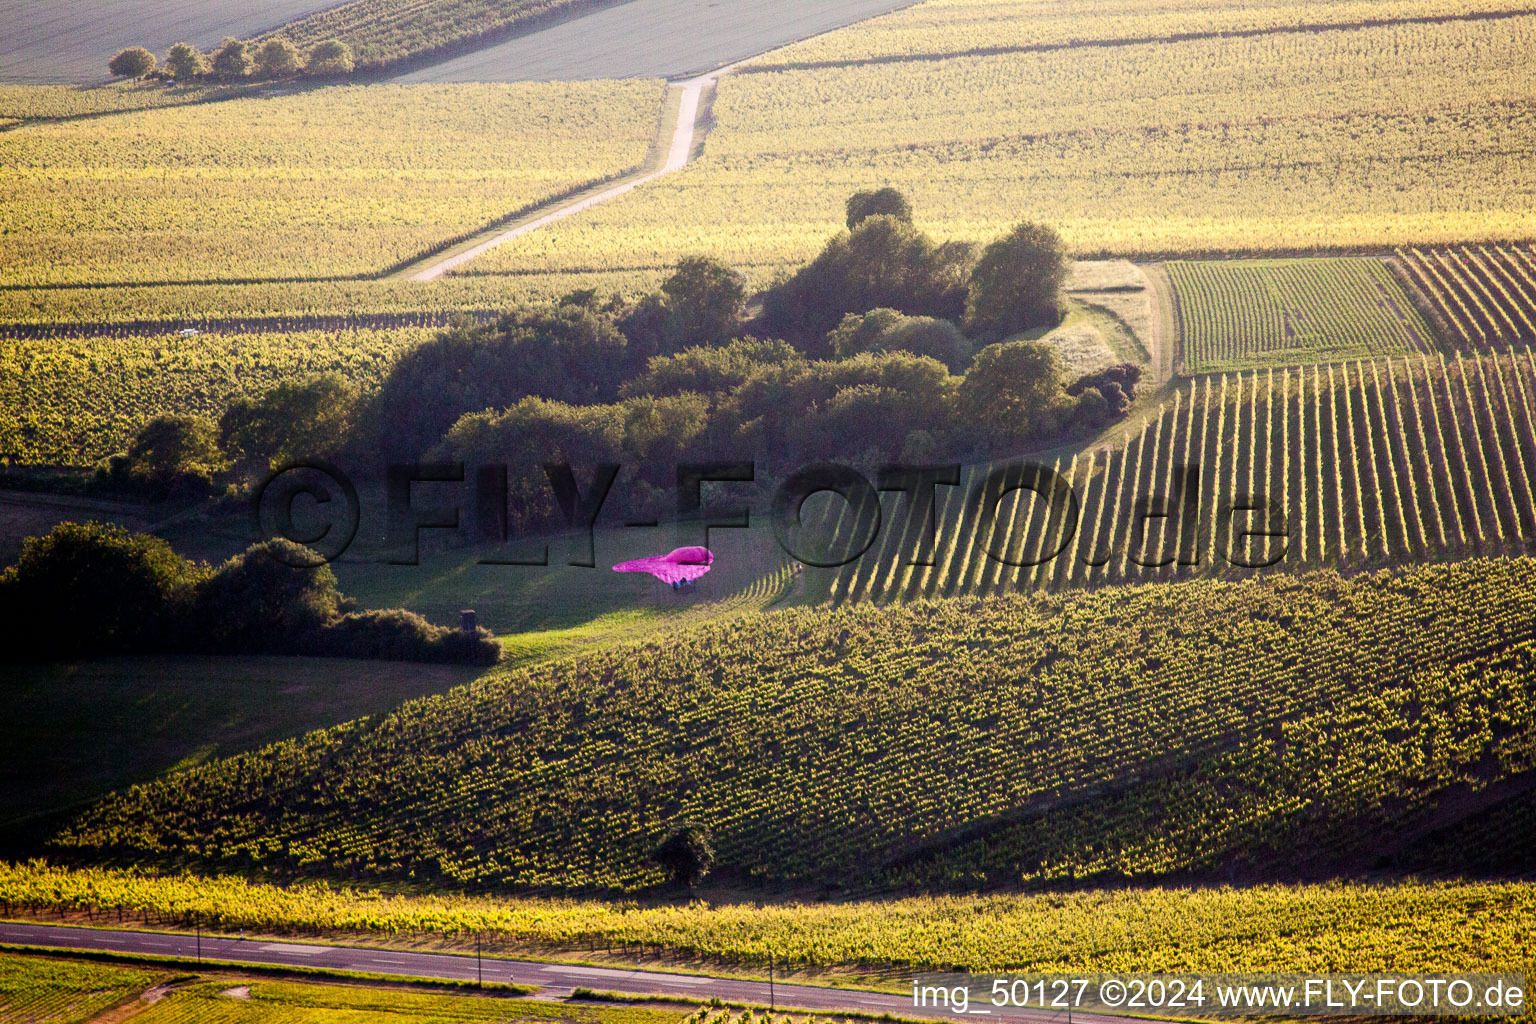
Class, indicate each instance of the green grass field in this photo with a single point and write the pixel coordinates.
(37, 990)
(1254, 314)
(150, 716)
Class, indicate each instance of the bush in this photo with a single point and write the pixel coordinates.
(1125, 376)
(278, 58)
(887, 202)
(174, 451)
(134, 62)
(398, 635)
(885, 330)
(257, 603)
(1012, 393)
(94, 588)
(709, 371)
(233, 60)
(686, 855)
(1016, 285)
(332, 57)
(185, 62)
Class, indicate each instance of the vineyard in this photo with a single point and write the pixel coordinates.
(387, 33)
(933, 31)
(1335, 927)
(325, 183)
(1372, 462)
(48, 991)
(1484, 296)
(76, 400)
(1241, 314)
(1279, 142)
(861, 744)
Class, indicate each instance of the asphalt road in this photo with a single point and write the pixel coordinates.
(653, 39)
(553, 979)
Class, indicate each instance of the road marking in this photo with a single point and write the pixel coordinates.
(291, 949)
(604, 972)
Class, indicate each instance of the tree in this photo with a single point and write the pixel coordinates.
(332, 57)
(88, 588)
(233, 60)
(185, 62)
(278, 58)
(1016, 285)
(260, 601)
(885, 201)
(687, 854)
(174, 446)
(300, 419)
(883, 262)
(708, 297)
(1011, 392)
(134, 62)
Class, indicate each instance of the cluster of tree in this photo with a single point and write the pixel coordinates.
(882, 260)
(91, 589)
(183, 454)
(878, 375)
(235, 59)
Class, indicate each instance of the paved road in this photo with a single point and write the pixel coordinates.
(653, 39)
(554, 979)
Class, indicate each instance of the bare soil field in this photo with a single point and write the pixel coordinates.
(653, 39)
(62, 42)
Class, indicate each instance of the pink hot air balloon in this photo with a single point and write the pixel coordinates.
(684, 565)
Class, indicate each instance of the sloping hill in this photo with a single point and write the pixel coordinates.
(1279, 727)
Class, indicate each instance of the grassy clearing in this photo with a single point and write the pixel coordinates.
(40, 990)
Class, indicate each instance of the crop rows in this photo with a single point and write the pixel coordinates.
(862, 743)
(1241, 314)
(1414, 926)
(1373, 462)
(960, 27)
(1390, 135)
(385, 33)
(345, 181)
(63, 992)
(73, 401)
(1484, 296)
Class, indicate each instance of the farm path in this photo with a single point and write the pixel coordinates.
(670, 152)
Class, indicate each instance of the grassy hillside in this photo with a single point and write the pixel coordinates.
(1282, 726)
(64, 991)
(150, 716)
